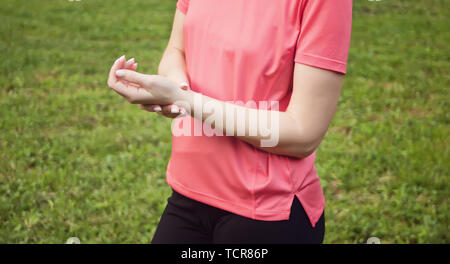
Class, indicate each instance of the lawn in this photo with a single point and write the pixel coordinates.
(77, 160)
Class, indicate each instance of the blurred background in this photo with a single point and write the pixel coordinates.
(76, 160)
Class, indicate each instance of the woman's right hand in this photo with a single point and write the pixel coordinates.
(169, 111)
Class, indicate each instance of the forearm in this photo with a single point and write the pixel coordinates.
(173, 65)
(269, 130)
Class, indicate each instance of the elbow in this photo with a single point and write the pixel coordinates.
(307, 143)
(304, 152)
(304, 149)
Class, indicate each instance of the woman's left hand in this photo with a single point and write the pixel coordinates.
(140, 88)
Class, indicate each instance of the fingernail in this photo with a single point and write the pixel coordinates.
(120, 73)
(157, 109)
(130, 61)
(119, 58)
(135, 65)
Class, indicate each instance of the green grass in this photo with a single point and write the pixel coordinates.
(77, 160)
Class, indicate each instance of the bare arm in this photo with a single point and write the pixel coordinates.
(303, 125)
(173, 64)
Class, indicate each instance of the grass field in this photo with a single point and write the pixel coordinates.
(77, 160)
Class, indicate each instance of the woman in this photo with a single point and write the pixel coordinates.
(228, 186)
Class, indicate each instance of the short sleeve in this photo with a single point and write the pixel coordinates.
(325, 31)
(183, 5)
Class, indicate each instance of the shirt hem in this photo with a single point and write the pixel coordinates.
(313, 218)
(321, 62)
(263, 215)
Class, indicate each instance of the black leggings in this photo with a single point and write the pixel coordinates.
(186, 221)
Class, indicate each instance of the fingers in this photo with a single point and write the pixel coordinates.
(169, 111)
(116, 65)
(129, 64)
(151, 108)
(133, 77)
(131, 91)
(120, 63)
(122, 89)
(172, 111)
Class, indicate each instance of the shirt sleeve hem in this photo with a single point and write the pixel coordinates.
(321, 62)
(182, 6)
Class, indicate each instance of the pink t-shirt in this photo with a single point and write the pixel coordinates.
(241, 50)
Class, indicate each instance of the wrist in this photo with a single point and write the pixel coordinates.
(185, 97)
